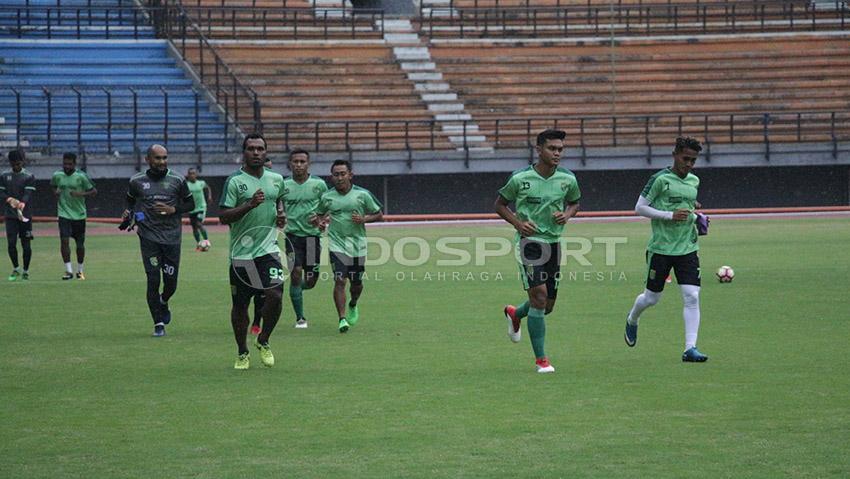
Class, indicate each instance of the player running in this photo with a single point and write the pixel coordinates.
(348, 208)
(17, 186)
(249, 205)
(156, 200)
(669, 200)
(301, 195)
(545, 198)
(201, 193)
(71, 187)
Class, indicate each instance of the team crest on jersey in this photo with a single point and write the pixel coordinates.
(564, 186)
(153, 261)
(317, 189)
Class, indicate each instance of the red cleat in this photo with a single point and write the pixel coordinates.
(543, 365)
(514, 327)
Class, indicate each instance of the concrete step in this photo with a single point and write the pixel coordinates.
(424, 76)
(437, 97)
(401, 38)
(398, 26)
(418, 66)
(456, 128)
(441, 107)
(412, 53)
(469, 139)
(453, 117)
(429, 87)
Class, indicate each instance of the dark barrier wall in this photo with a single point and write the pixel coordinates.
(601, 190)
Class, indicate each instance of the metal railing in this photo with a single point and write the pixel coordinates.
(632, 19)
(76, 22)
(286, 23)
(582, 131)
(59, 119)
(239, 102)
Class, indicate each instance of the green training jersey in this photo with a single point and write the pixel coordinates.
(301, 200)
(344, 235)
(69, 206)
(255, 234)
(197, 190)
(537, 199)
(666, 191)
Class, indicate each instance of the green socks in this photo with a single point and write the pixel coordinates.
(522, 310)
(204, 233)
(537, 331)
(196, 235)
(297, 297)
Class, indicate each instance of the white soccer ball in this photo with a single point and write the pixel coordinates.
(725, 274)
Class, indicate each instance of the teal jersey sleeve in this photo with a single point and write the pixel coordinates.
(573, 193)
(324, 204)
(54, 180)
(509, 191)
(371, 205)
(230, 195)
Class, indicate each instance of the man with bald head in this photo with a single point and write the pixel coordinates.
(156, 199)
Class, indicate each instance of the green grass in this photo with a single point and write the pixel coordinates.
(427, 384)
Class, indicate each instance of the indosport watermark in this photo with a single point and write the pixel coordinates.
(454, 258)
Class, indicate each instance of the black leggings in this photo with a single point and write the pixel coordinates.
(13, 251)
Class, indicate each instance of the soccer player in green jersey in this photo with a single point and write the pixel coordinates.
(301, 195)
(348, 208)
(545, 198)
(71, 187)
(669, 200)
(202, 194)
(250, 206)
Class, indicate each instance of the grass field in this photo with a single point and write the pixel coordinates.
(427, 384)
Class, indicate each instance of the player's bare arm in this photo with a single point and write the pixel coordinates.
(231, 215)
(363, 219)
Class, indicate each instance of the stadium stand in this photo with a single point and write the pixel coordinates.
(332, 83)
(555, 19)
(719, 77)
(67, 87)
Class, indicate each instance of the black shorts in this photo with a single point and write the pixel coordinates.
(539, 263)
(158, 256)
(72, 229)
(659, 265)
(16, 228)
(304, 251)
(345, 266)
(252, 277)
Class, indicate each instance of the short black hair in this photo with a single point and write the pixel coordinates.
(686, 142)
(191, 169)
(69, 156)
(298, 151)
(550, 134)
(16, 155)
(254, 136)
(342, 162)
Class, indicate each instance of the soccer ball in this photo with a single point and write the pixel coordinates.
(725, 274)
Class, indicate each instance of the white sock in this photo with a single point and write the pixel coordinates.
(690, 297)
(68, 268)
(644, 300)
(79, 267)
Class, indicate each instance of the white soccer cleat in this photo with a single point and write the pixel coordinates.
(514, 325)
(301, 324)
(543, 366)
